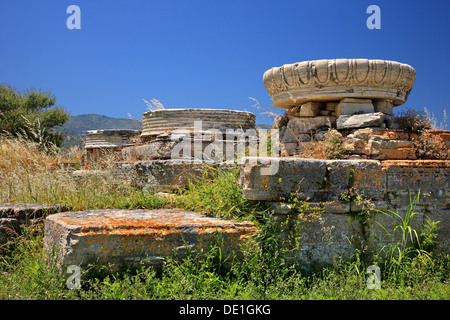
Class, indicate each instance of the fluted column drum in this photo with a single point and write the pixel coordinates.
(168, 120)
(109, 138)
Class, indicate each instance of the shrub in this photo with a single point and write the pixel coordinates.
(412, 120)
(32, 115)
(431, 146)
(334, 145)
(281, 121)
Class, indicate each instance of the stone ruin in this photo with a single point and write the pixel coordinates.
(109, 141)
(353, 96)
(356, 96)
(163, 129)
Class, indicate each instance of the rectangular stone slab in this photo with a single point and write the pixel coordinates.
(126, 237)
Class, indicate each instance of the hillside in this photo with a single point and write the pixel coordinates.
(80, 124)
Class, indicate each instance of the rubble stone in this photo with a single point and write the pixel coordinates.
(311, 109)
(384, 106)
(349, 106)
(360, 120)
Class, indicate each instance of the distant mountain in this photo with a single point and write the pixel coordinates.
(75, 128)
(80, 124)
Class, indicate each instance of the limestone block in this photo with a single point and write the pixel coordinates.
(311, 109)
(350, 106)
(312, 179)
(384, 106)
(405, 178)
(165, 174)
(331, 106)
(334, 79)
(381, 144)
(126, 237)
(109, 138)
(280, 208)
(13, 215)
(310, 125)
(27, 211)
(360, 120)
(364, 177)
(156, 149)
(293, 111)
(302, 178)
(329, 206)
(213, 147)
(325, 237)
(288, 148)
(290, 136)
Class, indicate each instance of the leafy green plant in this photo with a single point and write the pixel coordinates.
(403, 237)
(31, 114)
(429, 234)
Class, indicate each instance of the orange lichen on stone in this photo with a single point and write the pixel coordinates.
(416, 163)
(114, 235)
(380, 143)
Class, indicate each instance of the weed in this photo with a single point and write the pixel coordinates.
(262, 270)
(334, 145)
(434, 124)
(431, 146)
(412, 121)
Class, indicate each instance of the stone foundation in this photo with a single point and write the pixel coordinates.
(14, 215)
(166, 175)
(333, 186)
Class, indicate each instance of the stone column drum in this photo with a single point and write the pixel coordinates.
(108, 140)
(164, 129)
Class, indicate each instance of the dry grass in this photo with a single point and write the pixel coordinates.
(30, 175)
(331, 147)
(431, 146)
(15, 154)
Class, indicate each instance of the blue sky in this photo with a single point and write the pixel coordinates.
(209, 54)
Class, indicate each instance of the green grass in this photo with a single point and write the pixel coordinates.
(28, 272)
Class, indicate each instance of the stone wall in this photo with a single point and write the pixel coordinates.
(340, 189)
(14, 215)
